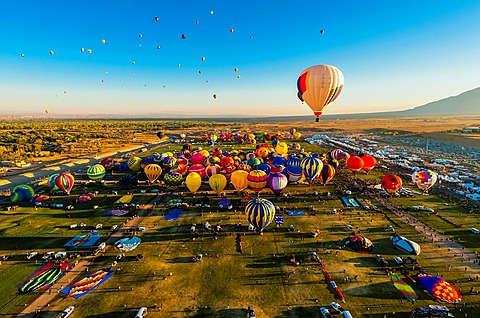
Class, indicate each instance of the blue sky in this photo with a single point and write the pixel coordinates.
(394, 55)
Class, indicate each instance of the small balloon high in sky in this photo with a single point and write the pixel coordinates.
(392, 67)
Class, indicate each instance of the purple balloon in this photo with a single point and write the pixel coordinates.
(277, 182)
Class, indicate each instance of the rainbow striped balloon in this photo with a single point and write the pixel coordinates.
(65, 182)
(257, 180)
(260, 213)
(311, 167)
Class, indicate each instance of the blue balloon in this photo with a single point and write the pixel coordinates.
(293, 160)
(280, 161)
(210, 143)
(294, 173)
(264, 167)
(275, 142)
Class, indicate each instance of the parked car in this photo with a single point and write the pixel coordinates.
(31, 255)
(398, 260)
(61, 255)
(390, 228)
(98, 226)
(48, 255)
(325, 313)
(72, 226)
(347, 314)
(67, 312)
(336, 307)
(349, 227)
(142, 312)
(474, 230)
(251, 312)
(114, 227)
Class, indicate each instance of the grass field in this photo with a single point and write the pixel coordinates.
(226, 281)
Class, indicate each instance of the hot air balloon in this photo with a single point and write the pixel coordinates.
(322, 31)
(391, 183)
(22, 55)
(440, 288)
(193, 182)
(369, 163)
(160, 134)
(96, 172)
(152, 171)
(297, 135)
(281, 148)
(264, 167)
(232, 30)
(22, 192)
(319, 86)
(239, 179)
(235, 69)
(108, 163)
(217, 182)
(183, 36)
(103, 41)
(51, 52)
(172, 180)
(134, 163)
(85, 197)
(140, 35)
(359, 244)
(327, 173)
(168, 162)
(156, 19)
(293, 131)
(354, 163)
(82, 49)
(128, 182)
(405, 245)
(260, 213)
(89, 51)
(51, 181)
(203, 59)
(183, 136)
(293, 160)
(65, 182)
(311, 167)
(424, 179)
(214, 96)
(198, 168)
(277, 182)
(211, 12)
(294, 173)
(257, 180)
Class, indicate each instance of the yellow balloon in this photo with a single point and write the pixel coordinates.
(152, 171)
(193, 181)
(217, 182)
(89, 51)
(297, 135)
(205, 153)
(239, 179)
(103, 41)
(281, 148)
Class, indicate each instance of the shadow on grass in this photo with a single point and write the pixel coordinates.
(384, 290)
(227, 313)
(129, 312)
(37, 242)
(268, 262)
(181, 259)
(303, 311)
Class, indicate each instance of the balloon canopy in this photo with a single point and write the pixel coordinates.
(260, 213)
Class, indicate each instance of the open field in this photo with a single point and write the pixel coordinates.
(226, 281)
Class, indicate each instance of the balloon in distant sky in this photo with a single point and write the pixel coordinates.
(89, 51)
(235, 69)
(51, 52)
(140, 35)
(200, 72)
(231, 30)
(46, 111)
(82, 49)
(156, 19)
(322, 31)
(196, 22)
(183, 36)
(238, 76)
(211, 12)
(214, 96)
(158, 47)
(103, 41)
(203, 59)
(319, 86)
(22, 55)
(133, 62)
(179, 64)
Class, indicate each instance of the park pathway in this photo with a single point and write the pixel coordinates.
(81, 268)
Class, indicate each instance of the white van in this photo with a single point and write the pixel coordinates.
(347, 314)
(142, 312)
(474, 230)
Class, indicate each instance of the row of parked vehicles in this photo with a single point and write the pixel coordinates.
(337, 308)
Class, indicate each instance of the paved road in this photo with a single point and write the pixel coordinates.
(81, 269)
(21, 177)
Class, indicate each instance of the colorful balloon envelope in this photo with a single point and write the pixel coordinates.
(369, 163)
(440, 288)
(172, 180)
(193, 182)
(65, 182)
(281, 148)
(264, 167)
(96, 172)
(227, 161)
(260, 213)
(328, 172)
(152, 171)
(85, 197)
(254, 162)
(293, 173)
(128, 182)
(354, 163)
(198, 168)
(21, 193)
(311, 168)
(359, 244)
(180, 168)
(257, 180)
(51, 181)
(239, 179)
(297, 135)
(217, 182)
(168, 162)
(197, 158)
(134, 163)
(212, 169)
(391, 183)
(108, 163)
(424, 179)
(277, 182)
(293, 160)
(319, 86)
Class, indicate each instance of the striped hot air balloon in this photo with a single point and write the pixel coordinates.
(277, 182)
(260, 213)
(22, 192)
(210, 170)
(294, 173)
(293, 160)
(257, 180)
(128, 182)
(327, 173)
(152, 171)
(51, 181)
(96, 172)
(65, 182)
(311, 168)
